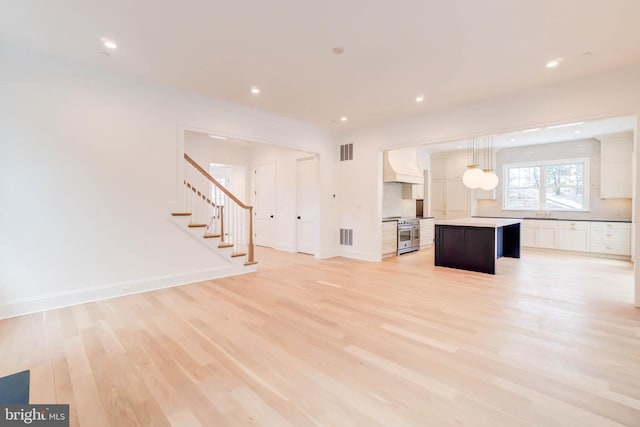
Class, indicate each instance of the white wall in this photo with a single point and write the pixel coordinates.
(610, 94)
(88, 166)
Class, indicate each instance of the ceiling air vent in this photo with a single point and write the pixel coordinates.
(346, 236)
(346, 152)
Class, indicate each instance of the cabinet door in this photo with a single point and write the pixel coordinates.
(615, 180)
(528, 235)
(456, 165)
(480, 194)
(437, 168)
(389, 238)
(616, 174)
(573, 239)
(426, 232)
(547, 236)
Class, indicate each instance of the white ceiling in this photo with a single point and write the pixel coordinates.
(556, 133)
(452, 51)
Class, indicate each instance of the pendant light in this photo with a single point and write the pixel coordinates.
(473, 176)
(489, 179)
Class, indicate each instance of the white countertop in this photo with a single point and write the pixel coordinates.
(479, 222)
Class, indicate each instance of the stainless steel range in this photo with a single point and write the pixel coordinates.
(408, 235)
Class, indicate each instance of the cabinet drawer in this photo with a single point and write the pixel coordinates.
(610, 248)
(611, 236)
(390, 225)
(573, 225)
(574, 239)
(611, 226)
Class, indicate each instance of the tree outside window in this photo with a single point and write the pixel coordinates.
(549, 186)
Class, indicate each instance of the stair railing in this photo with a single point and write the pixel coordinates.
(225, 215)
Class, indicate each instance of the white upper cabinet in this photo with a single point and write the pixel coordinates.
(438, 165)
(456, 164)
(449, 197)
(616, 152)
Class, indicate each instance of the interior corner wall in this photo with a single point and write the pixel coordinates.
(88, 168)
(614, 93)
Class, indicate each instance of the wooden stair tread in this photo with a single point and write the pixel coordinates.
(225, 245)
(180, 213)
(209, 236)
(250, 263)
(237, 254)
(197, 225)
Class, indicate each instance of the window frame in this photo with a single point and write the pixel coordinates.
(543, 184)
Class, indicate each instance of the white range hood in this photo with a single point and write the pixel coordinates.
(402, 166)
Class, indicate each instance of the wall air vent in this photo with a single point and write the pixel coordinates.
(346, 236)
(346, 152)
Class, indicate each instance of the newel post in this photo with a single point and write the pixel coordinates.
(250, 249)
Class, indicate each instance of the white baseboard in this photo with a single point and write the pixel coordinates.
(21, 306)
(360, 255)
(285, 247)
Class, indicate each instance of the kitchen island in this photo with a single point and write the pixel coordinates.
(476, 243)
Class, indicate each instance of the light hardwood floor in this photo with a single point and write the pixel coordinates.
(551, 340)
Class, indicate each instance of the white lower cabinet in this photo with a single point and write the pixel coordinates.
(582, 236)
(611, 238)
(574, 236)
(539, 234)
(426, 233)
(389, 238)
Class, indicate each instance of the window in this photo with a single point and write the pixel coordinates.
(547, 186)
(222, 174)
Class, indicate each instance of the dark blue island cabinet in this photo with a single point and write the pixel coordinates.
(476, 243)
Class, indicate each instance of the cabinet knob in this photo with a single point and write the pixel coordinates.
(609, 225)
(609, 247)
(608, 234)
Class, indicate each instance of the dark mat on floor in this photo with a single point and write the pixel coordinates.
(14, 389)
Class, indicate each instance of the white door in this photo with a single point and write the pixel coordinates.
(264, 211)
(307, 204)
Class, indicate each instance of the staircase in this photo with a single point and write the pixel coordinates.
(212, 213)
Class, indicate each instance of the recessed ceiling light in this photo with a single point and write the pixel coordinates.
(217, 137)
(419, 98)
(513, 140)
(554, 63)
(564, 125)
(343, 118)
(531, 130)
(108, 43)
(578, 131)
(255, 90)
(459, 147)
